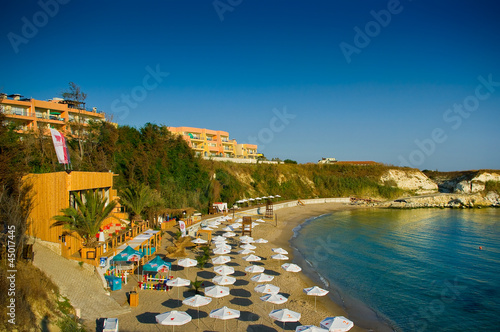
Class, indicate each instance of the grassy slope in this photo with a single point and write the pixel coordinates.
(235, 181)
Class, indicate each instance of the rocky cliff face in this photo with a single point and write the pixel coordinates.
(409, 180)
(476, 184)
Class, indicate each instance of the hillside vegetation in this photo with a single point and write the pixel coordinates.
(151, 155)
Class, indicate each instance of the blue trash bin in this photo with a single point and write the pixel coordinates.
(115, 283)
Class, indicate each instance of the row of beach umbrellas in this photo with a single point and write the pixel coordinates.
(244, 200)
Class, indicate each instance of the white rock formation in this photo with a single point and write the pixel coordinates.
(476, 184)
(410, 179)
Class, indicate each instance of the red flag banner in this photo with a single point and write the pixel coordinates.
(60, 147)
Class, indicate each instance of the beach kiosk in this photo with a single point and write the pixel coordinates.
(126, 258)
(156, 273)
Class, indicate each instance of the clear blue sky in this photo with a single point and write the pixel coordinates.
(231, 66)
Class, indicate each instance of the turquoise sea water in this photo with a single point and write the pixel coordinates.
(419, 270)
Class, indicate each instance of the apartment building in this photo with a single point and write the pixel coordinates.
(214, 143)
(32, 115)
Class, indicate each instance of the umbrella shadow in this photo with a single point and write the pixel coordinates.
(232, 264)
(240, 292)
(193, 312)
(206, 274)
(289, 326)
(239, 274)
(172, 303)
(207, 283)
(241, 282)
(248, 316)
(260, 328)
(147, 317)
(242, 302)
(258, 263)
(272, 272)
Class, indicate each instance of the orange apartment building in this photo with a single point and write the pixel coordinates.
(214, 143)
(29, 114)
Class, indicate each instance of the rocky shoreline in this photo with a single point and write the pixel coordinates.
(442, 200)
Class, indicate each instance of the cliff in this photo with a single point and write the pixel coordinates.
(409, 179)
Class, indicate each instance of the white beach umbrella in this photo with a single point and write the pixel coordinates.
(280, 257)
(337, 324)
(224, 313)
(217, 291)
(208, 228)
(221, 251)
(264, 197)
(261, 240)
(236, 225)
(218, 237)
(315, 291)
(277, 196)
(228, 229)
(267, 289)
(178, 282)
(197, 301)
(229, 234)
(251, 199)
(245, 237)
(187, 262)
(274, 299)
(214, 223)
(309, 328)
(199, 241)
(251, 258)
(254, 269)
(223, 270)
(101, 237)
(258, 198)
(173, 318)
(262, 277)
(280, 251)
(260, 220)
(289, 267)
(239, 220)
(222, 246)
(248, 246)
(270, 197)
(245, 252)
(221, 260)
(247, 241)
(223, 280)
(284, 316)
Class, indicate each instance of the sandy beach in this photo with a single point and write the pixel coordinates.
(254, 312)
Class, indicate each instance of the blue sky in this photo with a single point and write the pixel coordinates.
(275, 73)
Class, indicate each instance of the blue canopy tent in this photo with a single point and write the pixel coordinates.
(129, 254)
(157, 265)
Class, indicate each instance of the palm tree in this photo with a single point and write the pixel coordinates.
(137, 199)
(87, 217)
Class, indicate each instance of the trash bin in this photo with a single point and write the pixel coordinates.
(115, 283)
(134, 298)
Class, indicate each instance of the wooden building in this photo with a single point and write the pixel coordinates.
(55, 191)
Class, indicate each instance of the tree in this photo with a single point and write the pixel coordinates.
(74, 93)
(75, 97)
(289, 161)
(137, 199)
(87, 218)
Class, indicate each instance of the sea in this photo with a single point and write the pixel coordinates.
(408, 270)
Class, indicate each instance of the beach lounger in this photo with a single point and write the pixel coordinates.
(110, 325)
